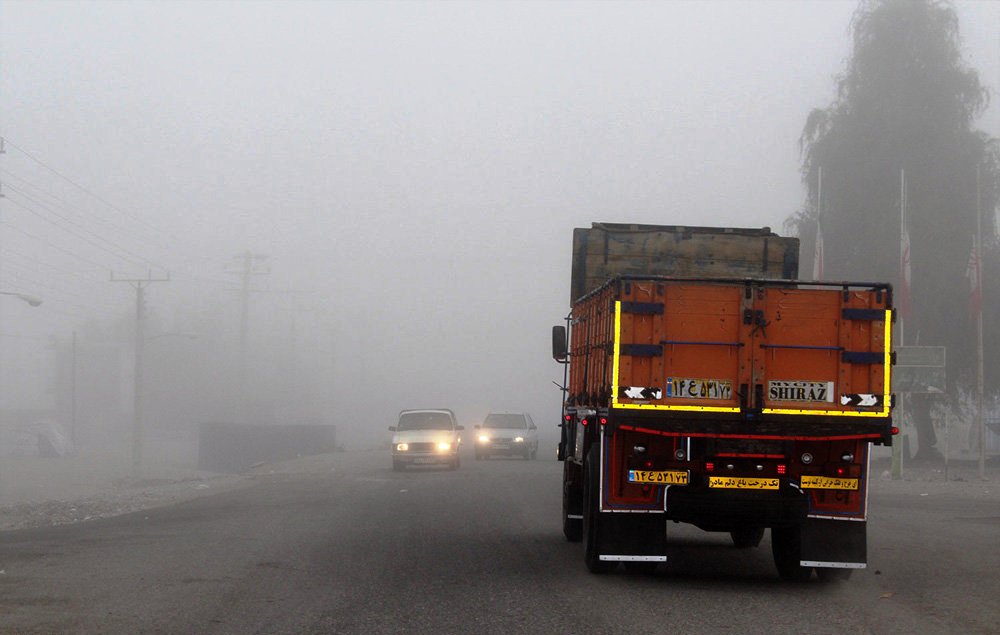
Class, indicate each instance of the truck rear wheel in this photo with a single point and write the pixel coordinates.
(592, 514)
(786, 547)
(747, 537)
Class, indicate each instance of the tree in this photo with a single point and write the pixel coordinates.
(907, 101)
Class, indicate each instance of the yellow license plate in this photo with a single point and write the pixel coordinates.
(671, 477)
(736, 482)
(828, 482)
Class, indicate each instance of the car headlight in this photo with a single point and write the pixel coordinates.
(444, 446)
(518, 439)
(402, 447)
(484, 438)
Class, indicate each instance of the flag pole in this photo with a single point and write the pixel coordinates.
(818, 255)
(897, 451)
(979, 325)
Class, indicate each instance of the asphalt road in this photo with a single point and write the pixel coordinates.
(341, 544)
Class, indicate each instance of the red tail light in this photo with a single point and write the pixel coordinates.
(604, 421)
(649, 464)
(709, 466)
(569, 417)
(894, 430)
(782, 469)
(840, 471)
(583, 422)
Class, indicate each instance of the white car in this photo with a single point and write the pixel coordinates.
(507, 433)
(425, 437)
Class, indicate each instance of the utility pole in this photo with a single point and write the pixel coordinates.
(251, 264)
(139, 284)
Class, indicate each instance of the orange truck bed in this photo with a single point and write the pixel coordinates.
(774, 349)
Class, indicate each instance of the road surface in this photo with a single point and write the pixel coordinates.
(341, 544)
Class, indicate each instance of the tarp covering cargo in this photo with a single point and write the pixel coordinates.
(606, 250)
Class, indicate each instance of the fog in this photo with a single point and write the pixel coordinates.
(407, 174)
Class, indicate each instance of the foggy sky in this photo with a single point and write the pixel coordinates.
(416, 167)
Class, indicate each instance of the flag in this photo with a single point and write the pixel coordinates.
(818, 253)
(904, 273)
(974, 272)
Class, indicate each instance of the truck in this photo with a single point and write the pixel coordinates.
(706, 384)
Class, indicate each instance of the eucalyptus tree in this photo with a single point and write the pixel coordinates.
(907, 102)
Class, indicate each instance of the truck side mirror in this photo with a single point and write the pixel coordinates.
(460, 427)
(559, 343)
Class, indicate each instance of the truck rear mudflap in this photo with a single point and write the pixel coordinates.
(834, 544)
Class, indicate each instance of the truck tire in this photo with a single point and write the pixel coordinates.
(786, 547)
(746, 537)
(592, 514)
(397, 466)
(455, 462)
(534, 453)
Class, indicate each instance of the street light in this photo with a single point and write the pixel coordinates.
(30, 299)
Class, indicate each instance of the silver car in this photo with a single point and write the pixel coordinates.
(508, 434)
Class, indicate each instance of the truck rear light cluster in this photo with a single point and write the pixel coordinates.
(604, 421)
(782, 469)
(709, 466)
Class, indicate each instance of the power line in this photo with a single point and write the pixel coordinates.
(135, 258)
(7, 251)
(5, 141)
(66, 205)
(51, 169)
(50, 244)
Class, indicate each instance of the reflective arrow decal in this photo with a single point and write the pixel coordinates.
(861, 400)
(640, 392)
